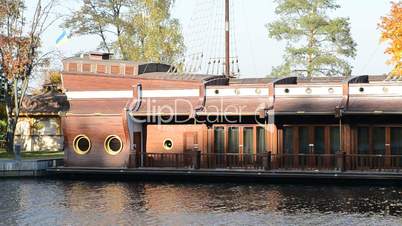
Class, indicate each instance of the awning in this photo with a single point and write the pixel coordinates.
(306, 105)
(374, 105)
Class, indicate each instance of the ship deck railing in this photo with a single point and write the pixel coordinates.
(269, 161)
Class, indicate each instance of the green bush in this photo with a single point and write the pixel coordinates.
(3, 129)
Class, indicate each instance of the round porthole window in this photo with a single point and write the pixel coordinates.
(168, 144)
(361, 89)
(331, 90)
(113, 145)
(81, 144)
(287, 90)
(308, 90)
(258, 91)
(217, 91)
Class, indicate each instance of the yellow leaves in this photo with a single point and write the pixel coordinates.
(54, 77)
(391, 28)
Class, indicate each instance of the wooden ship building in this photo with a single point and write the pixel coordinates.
(128, 115)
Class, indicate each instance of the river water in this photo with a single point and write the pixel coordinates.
(74, 202)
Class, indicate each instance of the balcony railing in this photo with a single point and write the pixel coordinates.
(268, 161)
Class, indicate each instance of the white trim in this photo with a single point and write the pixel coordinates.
(99, 94)
(171, 93)
(309, 91)
(257, 91)
(391, 90)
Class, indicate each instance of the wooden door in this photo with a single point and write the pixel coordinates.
(190, 141)
(136, 150)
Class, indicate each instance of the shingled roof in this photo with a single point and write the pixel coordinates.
(47, 103)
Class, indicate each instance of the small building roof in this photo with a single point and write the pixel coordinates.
(47, 103)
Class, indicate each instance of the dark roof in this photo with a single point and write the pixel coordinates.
(251, 81)
(321, 79)
(45, 103)
(307, 105)
(374, 105)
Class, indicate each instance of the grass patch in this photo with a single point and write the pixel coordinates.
(32, 155)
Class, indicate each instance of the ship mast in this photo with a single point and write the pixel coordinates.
(227, 39)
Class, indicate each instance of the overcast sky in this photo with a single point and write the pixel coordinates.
(256, 52)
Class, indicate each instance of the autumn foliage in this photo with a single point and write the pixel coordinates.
(391, 27)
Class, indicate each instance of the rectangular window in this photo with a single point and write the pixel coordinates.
(379, 140)
(219, 140)
(248, 140)
(115, 69)
(86, 68)
(363, 140)
(129, 70)
(72, 67)
(288, 140)
(396, 141)
(233, 136)
(261, 143)
(100, 68)
(335, 140)
(303, 140)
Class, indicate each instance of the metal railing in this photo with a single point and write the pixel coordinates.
(305, 161)
(373, 162)
(173, 160)
(232, 161)
(268, 161)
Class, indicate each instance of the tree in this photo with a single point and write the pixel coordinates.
(151, 33)
(317, 45)
(391, 27)
(20, 54)
(140, 30)
(103, 18)
(54, 77)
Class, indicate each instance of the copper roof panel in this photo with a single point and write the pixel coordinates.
(375, 105)
(307, 105)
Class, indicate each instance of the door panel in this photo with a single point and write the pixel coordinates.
(378, 141)
(396, 141)
(261, 140)
(219, 140)
(335, 140)
(248, 139)
(303, 140)
(363, 140)
(233, 140)
(288, 140)
(137, 142)
(319, 140)
(190, 140)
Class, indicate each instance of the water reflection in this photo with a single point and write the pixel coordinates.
(129, 203)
